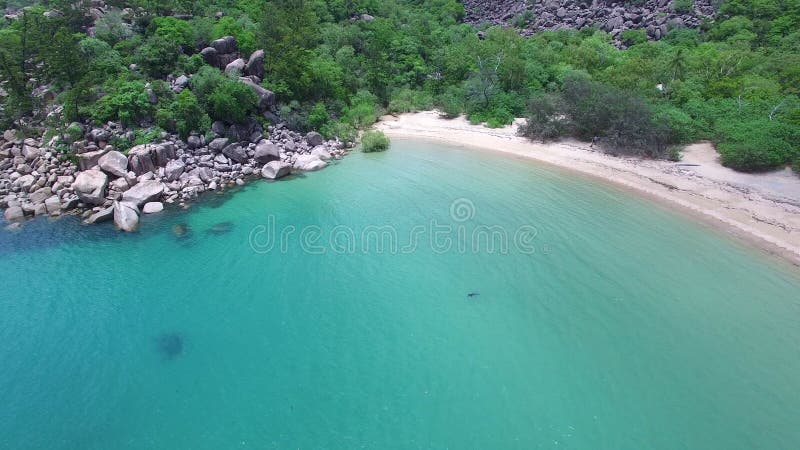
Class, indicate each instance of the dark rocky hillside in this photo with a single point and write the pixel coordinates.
(656, 17)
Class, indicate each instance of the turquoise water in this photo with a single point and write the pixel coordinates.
(615, 325)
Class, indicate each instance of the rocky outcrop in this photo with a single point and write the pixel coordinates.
(114, 163)
(126, 216)
(309, 163)
(656, 17)
(90, 186)
(276, 169)
(35, 181)
(266, 151)
(143, 192)
(152, 207)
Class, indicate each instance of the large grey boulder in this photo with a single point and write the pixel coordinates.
(89, 159)
(143, 192)
(321, 153)
(276, 169)
(114, 163)
(174, 169)
(90, 185)
(145, 158)
(53, 204)
(235, 68)
(255, 65)
(225, 45)
(266, 151)
(104, 215)
(218, 144)
(14, 214)
(140, 159)
(266, 98)
(40, 195)
(29, 152)
(126, 216)
(309, 163)
(210, 56)
(235, 152)
(152, 207)
(314, 139)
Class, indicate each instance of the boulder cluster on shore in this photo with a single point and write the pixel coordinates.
(102, 184)
(655, 17)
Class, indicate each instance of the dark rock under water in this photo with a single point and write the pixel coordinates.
(181, 230)
(170, 345)
(221, 228)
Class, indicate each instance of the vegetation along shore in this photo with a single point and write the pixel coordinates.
(113, 108)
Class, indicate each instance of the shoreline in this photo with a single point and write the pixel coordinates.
(761, 209)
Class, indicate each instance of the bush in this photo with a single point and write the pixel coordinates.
(633, 37)
(184, 116)
(127, 102)
(620, 120)
(796, 165)
(374, 141)
(546, 120)
(223, 99)
(343, 131)
(451, 102)
(318, 117)
(683, 6)
(232, 102)
(157, 56)
(757, 145)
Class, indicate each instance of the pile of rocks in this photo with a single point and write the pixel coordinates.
(656, 17)
(103, 184)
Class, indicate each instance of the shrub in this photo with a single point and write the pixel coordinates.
(451, 102)
(157, 56)
(127, 102)
(633, 37)
(318, 116)
(756, 145)
(522, 19)
(683, 6)
(184, 115)
(620, 120)
(374, 141)
(343, 131)
(546, 120)
(231, 102)
(223, 99)
(796, 165)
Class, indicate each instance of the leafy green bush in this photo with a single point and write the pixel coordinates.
(318, 117)
(232, 102)
(374, 141)
(546, 120)
(127, 101)
(683, 6)
(757, 145)
(408, 100)
(451, 102)
(522, 19)
(222, 98)
(174, 30)
(184, 115)
(157, 56)
(633, 37)
(343, 131)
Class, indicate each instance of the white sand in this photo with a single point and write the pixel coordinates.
(762, 208)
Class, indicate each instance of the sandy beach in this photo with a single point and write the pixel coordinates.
(763, 209)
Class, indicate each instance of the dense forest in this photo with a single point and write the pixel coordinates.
(336, 65)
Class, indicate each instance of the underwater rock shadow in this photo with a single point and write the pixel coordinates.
(220, 228)
(170, 345)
